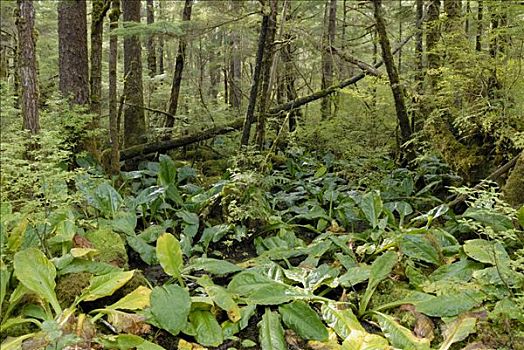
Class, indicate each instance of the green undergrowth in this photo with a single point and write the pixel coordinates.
(301, 253)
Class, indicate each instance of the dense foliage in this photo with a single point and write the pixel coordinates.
(333, 233)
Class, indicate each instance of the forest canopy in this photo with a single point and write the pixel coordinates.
(262, 174)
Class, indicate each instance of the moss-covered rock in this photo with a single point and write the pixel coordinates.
(514, 188)
(110, 246)
(69, 286)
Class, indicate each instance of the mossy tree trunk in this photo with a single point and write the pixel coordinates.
(394, 80)
(25, 23)
(267, 63)
(98, 13)
(134, 118)
(114, 136)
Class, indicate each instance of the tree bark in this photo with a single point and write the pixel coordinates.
(267, 63)
(432, 39)
(254, 85)
(160, 45)
(72, 54)
(179, 68)
(114, 136)
(99, 10)
(419, 64)
(327, 57)
(150, 44)
(394, 80)
(134, 118)
(478, 39)
(25, 23)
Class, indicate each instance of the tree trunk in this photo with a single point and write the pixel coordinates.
(179, 68)
(327, 57)
(514, 188)
(151, 47)
(72, 54)
(267, 63)
(478, 39)
(396, 87)
(214, 66)
(254, 85)
(160, 45)
(113, 108)
(432, 39)
(419, 63)
(99, 10)
(134, 118)
(25, 23)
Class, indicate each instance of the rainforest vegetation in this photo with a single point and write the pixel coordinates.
(262, 174)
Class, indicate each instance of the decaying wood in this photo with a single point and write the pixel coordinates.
(166, 145)
(492, 177)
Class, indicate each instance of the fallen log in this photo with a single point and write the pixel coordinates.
(162, 146)
(165, 145)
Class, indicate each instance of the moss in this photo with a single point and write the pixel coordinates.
(110, 246)
(69, 286)
(514, 188)
(461, 158)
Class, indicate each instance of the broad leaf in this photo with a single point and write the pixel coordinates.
(361, 340)
(486, 252)
(380, 269)
(37, 274)
(458, 330)
(170, 305)
(301, 318)
(5, 274)
(449, 304)
(259, 289)
(497, 221)
(343, 322)
(214, 266)
(208, 331)
(105, 285)
(147, 252)
(169, 254)
(399, 336)
(167, 171)
(271, 333)
(128, 341)
(419, 247)
(371, 205)
(224, 300)
(136, 300)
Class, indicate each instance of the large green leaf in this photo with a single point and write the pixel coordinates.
(520, 216)
(106, 199)
(167, 171)
(380, 269)
(170, 305)
(214, 266)
(271, 334)
(259, 289)
(224, 300)
(486, 252)
(343, 321)
(124, 222)
(5, 274)
(105, 285)
(497, 221)
(169, 255)
(419, 247)
(448, 305)
(147, 252)
(37, 274)
(301, 318)
(458, 330)
(208, 331)
(372, 206)
(399, 336)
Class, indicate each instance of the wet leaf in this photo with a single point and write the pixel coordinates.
(208, 331)
(301, 318)
(105, 285)
(170, 305)
(271, 333)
